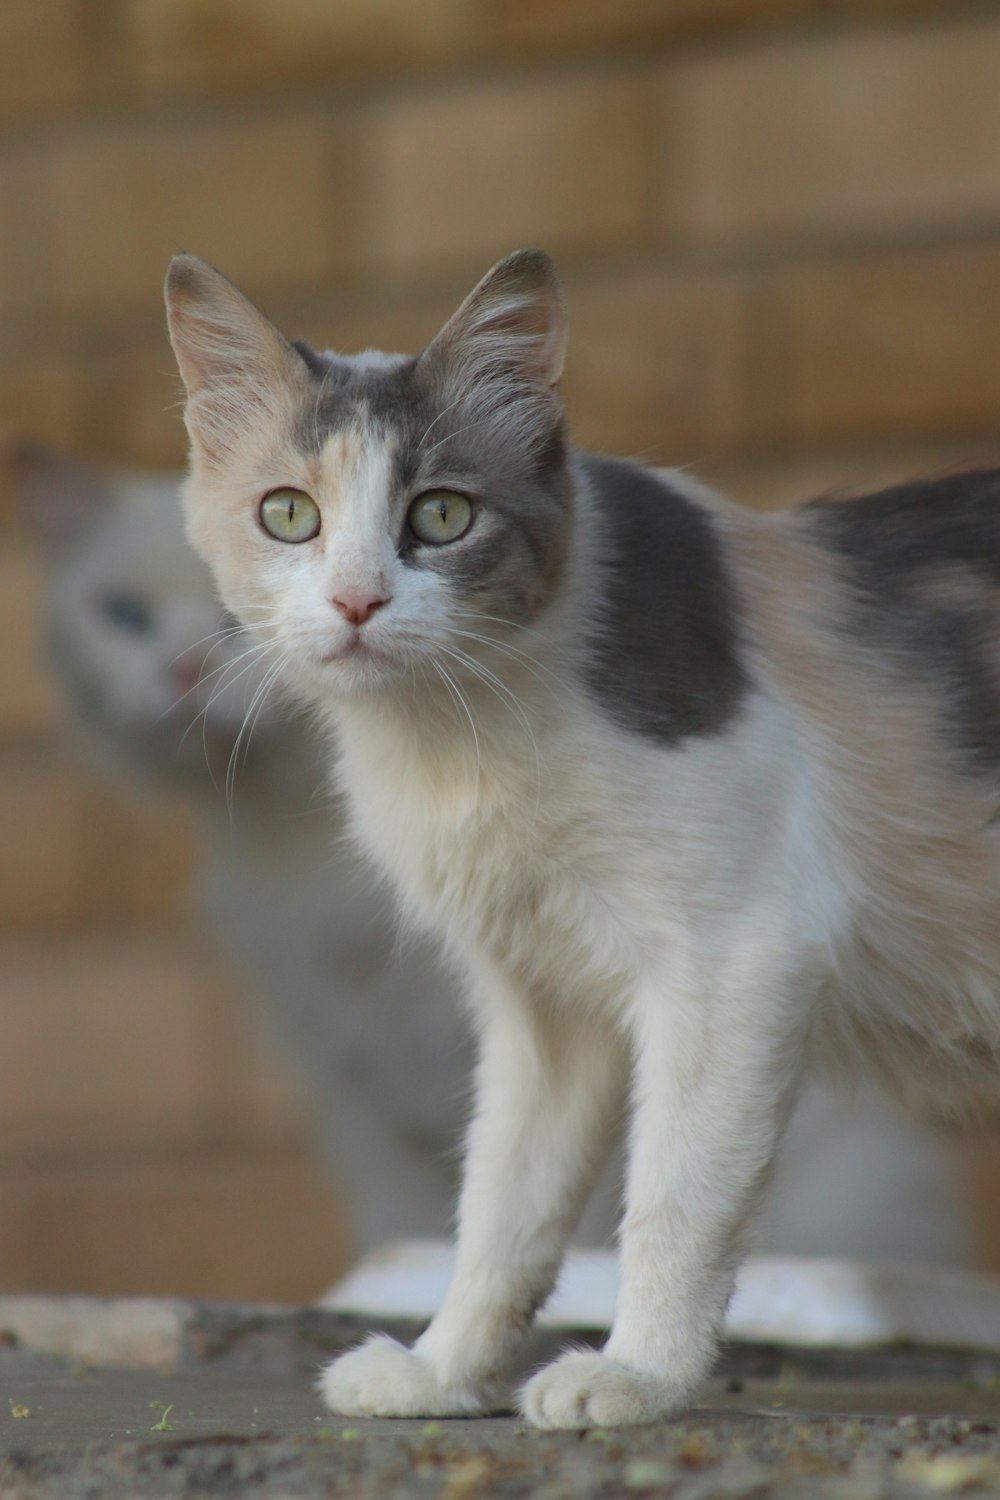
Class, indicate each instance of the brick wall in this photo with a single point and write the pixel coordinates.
(779, 222)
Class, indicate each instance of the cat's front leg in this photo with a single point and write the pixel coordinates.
(715, 1072)
(546, 1093)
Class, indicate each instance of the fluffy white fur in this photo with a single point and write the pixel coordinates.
(663, 931)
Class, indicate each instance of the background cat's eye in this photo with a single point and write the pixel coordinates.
(290, 516)
(128, 612)
(440, 516)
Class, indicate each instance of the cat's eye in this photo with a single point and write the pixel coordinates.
(128, 612)
(440, 516)
(290, 516)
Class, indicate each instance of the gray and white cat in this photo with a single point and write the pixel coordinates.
(698, 796)
(160, 684)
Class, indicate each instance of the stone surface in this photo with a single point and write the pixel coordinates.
(237, 1413)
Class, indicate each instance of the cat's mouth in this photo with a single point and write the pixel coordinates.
(357, 649)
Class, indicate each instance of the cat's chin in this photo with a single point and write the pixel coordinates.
(357, 672)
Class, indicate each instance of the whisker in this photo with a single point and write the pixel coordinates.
(521, 658)
(458, 696)
(504, 695)
(254, 652)
(449, 435)
(246, 728)
(477, 614)
(433, 423)
(216, 636)
(263, 697)
(205, 677)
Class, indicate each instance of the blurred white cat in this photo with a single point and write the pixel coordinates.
(160, 687)
(160, 684)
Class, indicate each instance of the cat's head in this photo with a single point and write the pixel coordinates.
(147, 657)
(371, 514)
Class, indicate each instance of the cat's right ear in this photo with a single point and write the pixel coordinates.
(238, 370)
(500, 356)
(58, 497)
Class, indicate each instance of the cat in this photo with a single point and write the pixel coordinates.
(700, 796)
(158, 682)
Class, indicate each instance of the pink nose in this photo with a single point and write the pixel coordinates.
(356, 606)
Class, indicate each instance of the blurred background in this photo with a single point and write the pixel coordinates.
(779, 224)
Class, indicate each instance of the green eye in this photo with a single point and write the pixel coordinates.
(289, 516)
(440, 516)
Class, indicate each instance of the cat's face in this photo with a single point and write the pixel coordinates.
(148, 659)
(370, 516)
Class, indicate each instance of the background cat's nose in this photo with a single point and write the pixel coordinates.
(357, 606)
(186, 670)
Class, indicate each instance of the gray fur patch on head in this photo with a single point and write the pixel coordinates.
(921, 563)
(665, 657)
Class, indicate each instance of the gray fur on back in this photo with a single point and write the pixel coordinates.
(922, 566)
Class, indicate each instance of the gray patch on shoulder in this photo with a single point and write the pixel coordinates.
(921, 562)
(665, 660)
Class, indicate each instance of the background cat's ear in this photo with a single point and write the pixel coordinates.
(237, 368)
(58, 497)
(506, 345)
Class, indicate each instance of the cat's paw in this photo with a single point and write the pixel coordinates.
(383, 1379)
(584, 1389)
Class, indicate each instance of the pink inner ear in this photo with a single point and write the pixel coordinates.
(537, 329)
(513, 321)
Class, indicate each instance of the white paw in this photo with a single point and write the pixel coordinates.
(382, 1379)
(584, 1389)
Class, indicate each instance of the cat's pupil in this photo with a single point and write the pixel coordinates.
(128, 612)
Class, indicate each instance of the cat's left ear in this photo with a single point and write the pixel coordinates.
(238, 370)
(505, 347)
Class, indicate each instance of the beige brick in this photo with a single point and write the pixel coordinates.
(19, 1239)
(251, 197)
(41, 815)
(28, 702)
(43, 55)
(893, 344)
(188, 44)
(243, 1228)
(477, 172)
(131, 403)
(136, 861)
(539, 25)
(71, 852)
(871, 128)
(27, 263)
(39, 400)
(101, 1035)
(654, 365)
